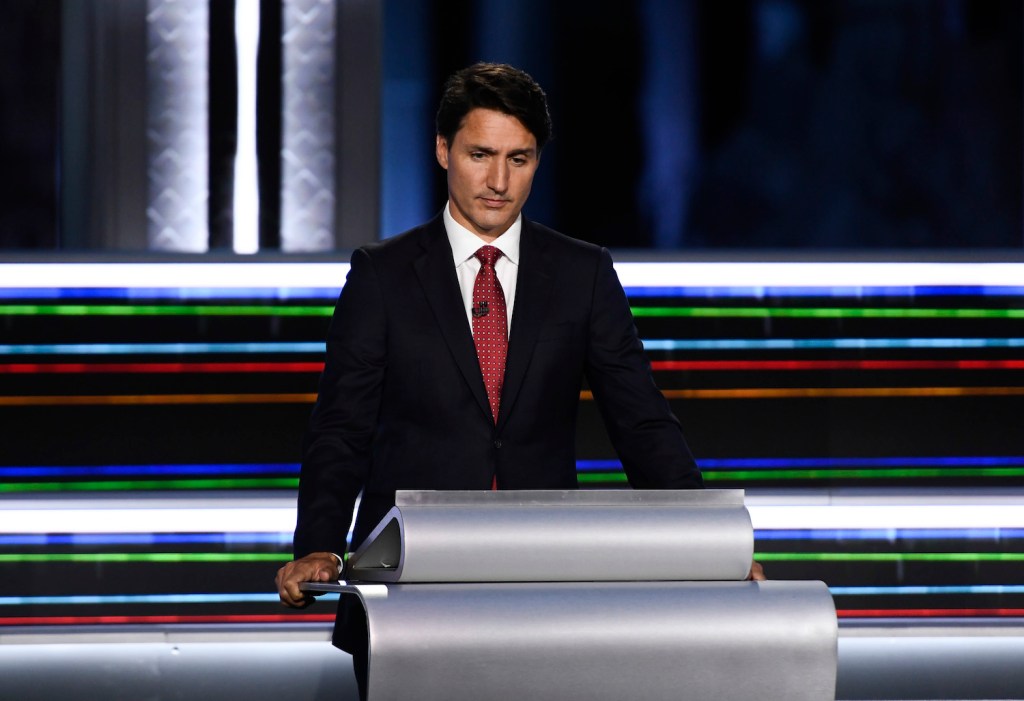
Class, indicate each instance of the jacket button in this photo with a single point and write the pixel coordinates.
(497, 443)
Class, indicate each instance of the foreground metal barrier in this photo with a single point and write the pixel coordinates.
(583, 595)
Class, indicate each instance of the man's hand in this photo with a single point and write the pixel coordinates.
(316, 567)
(756, 573)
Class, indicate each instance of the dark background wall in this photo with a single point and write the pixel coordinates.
(679, 125)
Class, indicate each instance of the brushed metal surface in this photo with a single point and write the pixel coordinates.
(597, 640)
(567, 536)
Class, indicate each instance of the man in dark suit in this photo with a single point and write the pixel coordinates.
(420, 389)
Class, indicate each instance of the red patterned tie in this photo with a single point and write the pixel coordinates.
(490, 326)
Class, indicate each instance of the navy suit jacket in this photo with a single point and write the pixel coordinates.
(402, 403)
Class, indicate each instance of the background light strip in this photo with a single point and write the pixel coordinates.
(830, 392)
(201, 310)
(318, 347)
(108, 599)
(239, 619)
(824, 462)
(174, 293)
(658, 366)
(150, 485)
(823, 365)
(972, 589)
(214, 470)
(822, 313)
(156, 368)
(725, 344)
(144, 557)
(309, 398)
(157, 399)
(861, 292)
(330, 292)
(931, 613)
(269, 310)
(705, 274)
(943, 557)
(145, 539)
(102, 516)
(892, 535)
(907, 515)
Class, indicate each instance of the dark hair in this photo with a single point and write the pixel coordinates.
(494, 86)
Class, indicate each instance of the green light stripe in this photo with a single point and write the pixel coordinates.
(160, 310)
(327, 310)
(829, 312)
(588, 477)
(769, 474)
(144, 485)
(923, 473)
(143, 557)
(889, 557)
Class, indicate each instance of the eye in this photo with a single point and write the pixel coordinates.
(477, 155)
(518, 161)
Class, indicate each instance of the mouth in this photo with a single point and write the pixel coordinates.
(494, 203)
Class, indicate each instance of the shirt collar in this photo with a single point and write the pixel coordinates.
(465, 243)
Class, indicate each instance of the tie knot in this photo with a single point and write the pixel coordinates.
(487, 255)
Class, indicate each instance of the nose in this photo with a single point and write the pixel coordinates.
(497, 175)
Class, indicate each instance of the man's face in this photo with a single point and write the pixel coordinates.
(490, 163)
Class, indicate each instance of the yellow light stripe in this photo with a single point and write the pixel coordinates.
(586, 395)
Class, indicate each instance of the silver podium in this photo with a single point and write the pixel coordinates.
(561, 595)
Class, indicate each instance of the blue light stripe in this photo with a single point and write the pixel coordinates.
(977, 589)
(318, 347)
(149, 470)
(782, 463)
(331, 293)
(649, 344)
(109, 539)
(828, 343)
(891, 535)
(233, 598)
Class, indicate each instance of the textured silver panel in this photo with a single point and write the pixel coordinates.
(308, 126)
(176, 124)
(601, 640)
(559, 536)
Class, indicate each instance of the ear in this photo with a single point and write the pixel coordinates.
(441, 151)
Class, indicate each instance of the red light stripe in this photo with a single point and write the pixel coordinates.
(713, 365)
(154, 368)
(134, 620)
(930, 613)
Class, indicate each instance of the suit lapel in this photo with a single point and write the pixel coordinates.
(436, 274)
(533, 289)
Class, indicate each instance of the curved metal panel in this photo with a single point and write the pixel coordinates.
(563, 641)
(560, 536)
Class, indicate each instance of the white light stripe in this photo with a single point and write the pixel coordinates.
(246, 191)
(148, 520)
(164, 275)
(700, 275)
(867, 517)
(819, 274)
(278, 516)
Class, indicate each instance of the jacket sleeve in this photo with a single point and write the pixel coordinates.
(646, 435)
(337, 445)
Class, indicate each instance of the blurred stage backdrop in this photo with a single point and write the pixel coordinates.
(816, 211)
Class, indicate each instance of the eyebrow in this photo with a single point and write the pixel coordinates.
(492, 151)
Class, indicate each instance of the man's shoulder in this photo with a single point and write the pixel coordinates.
(408, 243)
(556, 243)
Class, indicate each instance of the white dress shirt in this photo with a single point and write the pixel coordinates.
(465, 244)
